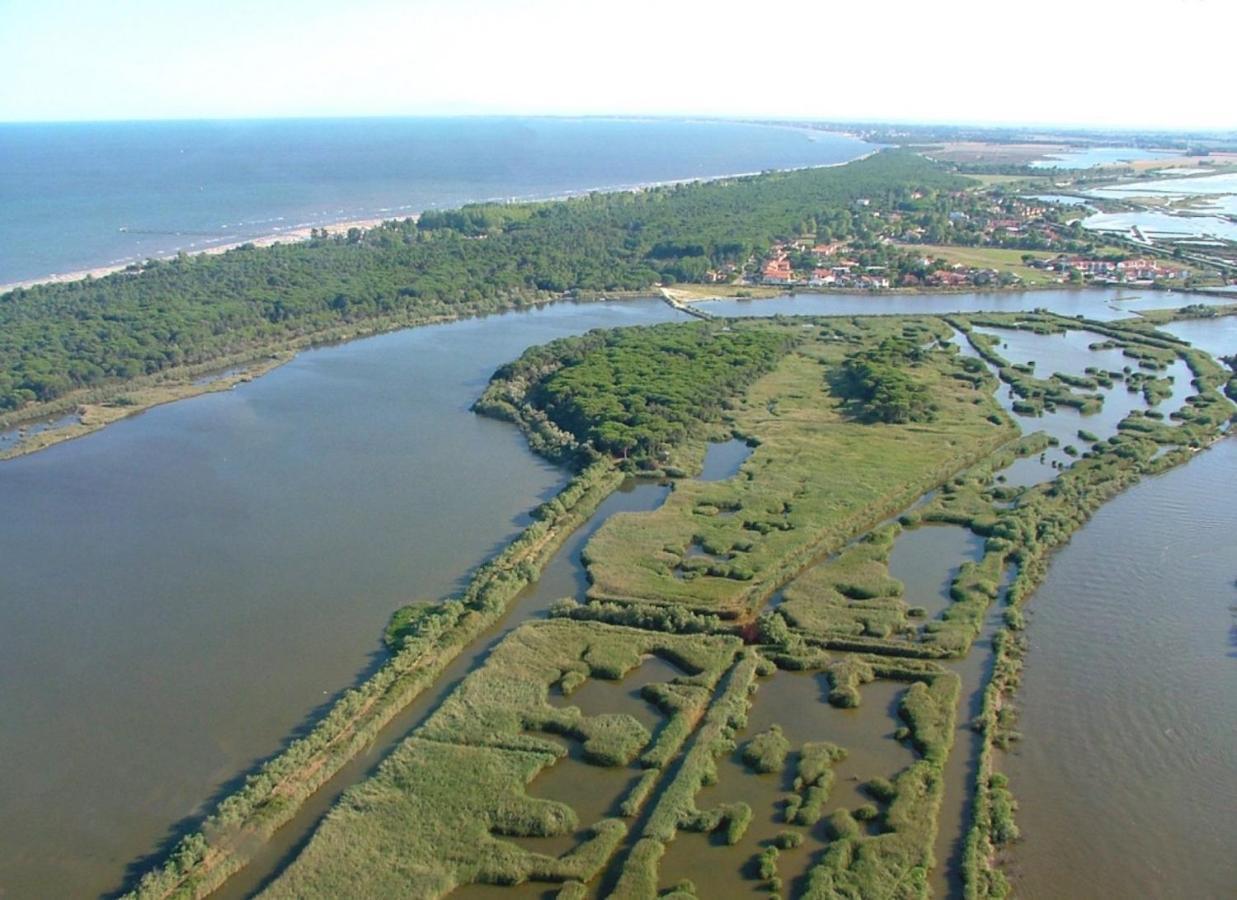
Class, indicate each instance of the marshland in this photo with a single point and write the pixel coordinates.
(801, 726)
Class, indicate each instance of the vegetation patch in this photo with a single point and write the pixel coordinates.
(634, 394)
(446, 797)
(816, 479)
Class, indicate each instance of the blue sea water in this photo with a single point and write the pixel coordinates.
(77, 196)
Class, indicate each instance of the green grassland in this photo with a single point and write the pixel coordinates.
(821, 474)
(992, 258)
(851, 594)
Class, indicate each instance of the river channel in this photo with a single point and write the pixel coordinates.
(182, 590)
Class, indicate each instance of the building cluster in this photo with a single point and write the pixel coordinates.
(1109, 270)
(828, 267)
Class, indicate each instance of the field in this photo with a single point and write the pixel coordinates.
(992, 258)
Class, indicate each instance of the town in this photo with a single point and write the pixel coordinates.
(959, 239)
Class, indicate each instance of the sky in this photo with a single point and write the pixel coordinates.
(1102, 63)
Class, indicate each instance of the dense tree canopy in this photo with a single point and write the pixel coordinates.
(882, 382)
(636, 392)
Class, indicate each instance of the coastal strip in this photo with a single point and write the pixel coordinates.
(303, 233)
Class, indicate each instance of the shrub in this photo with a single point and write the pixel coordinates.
(766, 752)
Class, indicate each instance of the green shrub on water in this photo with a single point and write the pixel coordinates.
(866, 813)
(638, 878)
(737, 820)
(845, 676)
(572, 890)
(767, 751)
(613, 739)
(639, 793)
(1089, 437)
(671, 619)
(881, 789)
(766, 863)
(816, 761)
(790, 808)
(787, 840)
(842, 825)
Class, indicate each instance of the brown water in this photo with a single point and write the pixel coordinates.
(183, 589)
(926, 560)
(1127, 776)
(797, 702)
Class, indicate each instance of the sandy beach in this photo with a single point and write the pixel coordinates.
(291, 236)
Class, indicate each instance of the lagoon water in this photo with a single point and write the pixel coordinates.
(183, 588)
(67, 190)
(1100, 304)
(1089, 157)
(1124, 778)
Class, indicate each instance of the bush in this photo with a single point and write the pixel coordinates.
(766, 752)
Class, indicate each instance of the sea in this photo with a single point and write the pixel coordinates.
(78, 196)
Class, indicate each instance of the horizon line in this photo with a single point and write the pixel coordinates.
(840, 124)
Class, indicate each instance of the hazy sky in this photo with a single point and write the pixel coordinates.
(1168, 63)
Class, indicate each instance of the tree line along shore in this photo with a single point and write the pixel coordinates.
(852, 420)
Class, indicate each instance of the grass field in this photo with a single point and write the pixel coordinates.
(992, 258)
(442, 810)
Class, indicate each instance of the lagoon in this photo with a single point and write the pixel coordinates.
(185, 587)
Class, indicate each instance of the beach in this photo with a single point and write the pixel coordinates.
(291, 236)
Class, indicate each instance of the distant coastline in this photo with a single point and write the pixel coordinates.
(291, 236)
(366, 213)
(304, 232)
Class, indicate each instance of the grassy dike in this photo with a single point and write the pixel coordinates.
(423, 646)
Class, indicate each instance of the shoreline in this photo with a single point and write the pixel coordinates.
(97, 409)
(302, 233)
(291, 236)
